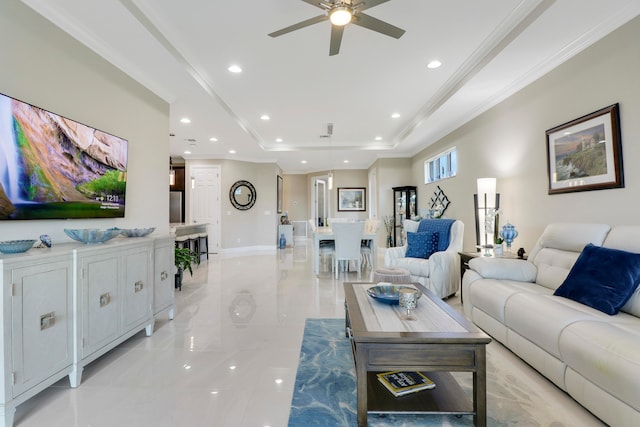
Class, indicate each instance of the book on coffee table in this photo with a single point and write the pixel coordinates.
(403, 382)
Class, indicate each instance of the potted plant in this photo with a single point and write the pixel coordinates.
(497, 248)
(184, 260)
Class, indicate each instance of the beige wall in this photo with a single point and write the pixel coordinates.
(296, 196)
(256, 227)
(43, 66)
(509, 143)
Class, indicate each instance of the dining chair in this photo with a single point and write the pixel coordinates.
(348, 236)
(371, 226)
(327, 247)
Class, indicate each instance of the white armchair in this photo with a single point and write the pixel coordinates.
(440, 273)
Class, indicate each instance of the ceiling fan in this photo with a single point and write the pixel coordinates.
(340, 13)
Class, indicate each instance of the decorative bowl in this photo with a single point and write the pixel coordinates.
(16, 246)
(92, 236)
(136, 232)
(388, 294)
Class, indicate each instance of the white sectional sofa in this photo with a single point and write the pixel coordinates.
(441, 271)
(593, 356)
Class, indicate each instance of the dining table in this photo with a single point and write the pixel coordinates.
(325, 233)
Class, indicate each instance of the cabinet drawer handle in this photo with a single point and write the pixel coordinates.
(138, 286)
(47, 320)
(164, 275)
(105, 299)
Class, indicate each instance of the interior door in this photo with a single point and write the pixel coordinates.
(321, 204)
(204, 185)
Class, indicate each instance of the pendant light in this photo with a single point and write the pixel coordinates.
(172, 173)
(330, 176)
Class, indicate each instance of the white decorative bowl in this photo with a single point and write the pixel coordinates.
(16, 246)
(92, 236)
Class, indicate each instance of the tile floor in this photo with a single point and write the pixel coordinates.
(228, 359)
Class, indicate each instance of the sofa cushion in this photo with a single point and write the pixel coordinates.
(558, 247)
(602, 278)
(606, 353)
(542, 318)
(421, 245)
(490, 295)
(553, 266)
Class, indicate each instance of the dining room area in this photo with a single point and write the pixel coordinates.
(344, 245)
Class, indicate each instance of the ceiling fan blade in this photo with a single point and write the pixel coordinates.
(317, 3)
(299, 25)
(365, 4)
(336, 39)
(377, 25)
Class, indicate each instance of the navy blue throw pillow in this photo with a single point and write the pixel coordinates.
(602, 278)
(421, 245)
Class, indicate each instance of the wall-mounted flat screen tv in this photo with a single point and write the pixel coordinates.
(52, 167)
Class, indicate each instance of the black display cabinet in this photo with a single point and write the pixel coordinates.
(405, 205)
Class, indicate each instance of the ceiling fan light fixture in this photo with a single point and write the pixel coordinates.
(340, 16)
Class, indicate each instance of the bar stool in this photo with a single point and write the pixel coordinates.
(194, 243)
(203, 244)
(182, 241)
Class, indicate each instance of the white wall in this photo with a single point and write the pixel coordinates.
(508, 142)
(43, 66)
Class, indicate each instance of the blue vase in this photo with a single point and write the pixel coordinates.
(283, 241)
(508, 233)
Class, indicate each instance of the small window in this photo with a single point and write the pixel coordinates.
(442, 166)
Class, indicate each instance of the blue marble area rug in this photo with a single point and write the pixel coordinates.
(325, 387)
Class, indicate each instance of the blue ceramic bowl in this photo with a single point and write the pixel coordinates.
(388, 294)
(16, 246)
(136, 232)
(92, 236)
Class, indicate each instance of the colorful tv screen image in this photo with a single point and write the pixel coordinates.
(52, 167)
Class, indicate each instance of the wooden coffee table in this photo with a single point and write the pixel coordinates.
(441, 341)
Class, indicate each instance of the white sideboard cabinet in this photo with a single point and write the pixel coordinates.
(113, 296)
(37, 325)
(163, 272)
(65, 306)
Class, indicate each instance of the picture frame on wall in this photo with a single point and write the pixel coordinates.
(586, 153)
(279, 200)
(352, 199)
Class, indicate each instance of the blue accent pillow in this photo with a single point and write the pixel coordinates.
(421, 245)
(602, 278)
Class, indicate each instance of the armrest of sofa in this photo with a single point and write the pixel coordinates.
(504, 269)
(393, 254)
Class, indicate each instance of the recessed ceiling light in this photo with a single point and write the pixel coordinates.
(434, 64)
(346, 161)
(232, 151)
(213, 139)
(232, 367)
(265, 117)
(278, 139)
(235, 69)
(279, 381)
(303, 162)
(378, 138)
(185, 120)
(395, 115)
(187, 152)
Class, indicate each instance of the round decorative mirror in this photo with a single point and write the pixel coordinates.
(242, 195)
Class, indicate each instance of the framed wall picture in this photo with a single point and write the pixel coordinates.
(279, 201)
(352, 199)
(586, 153)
